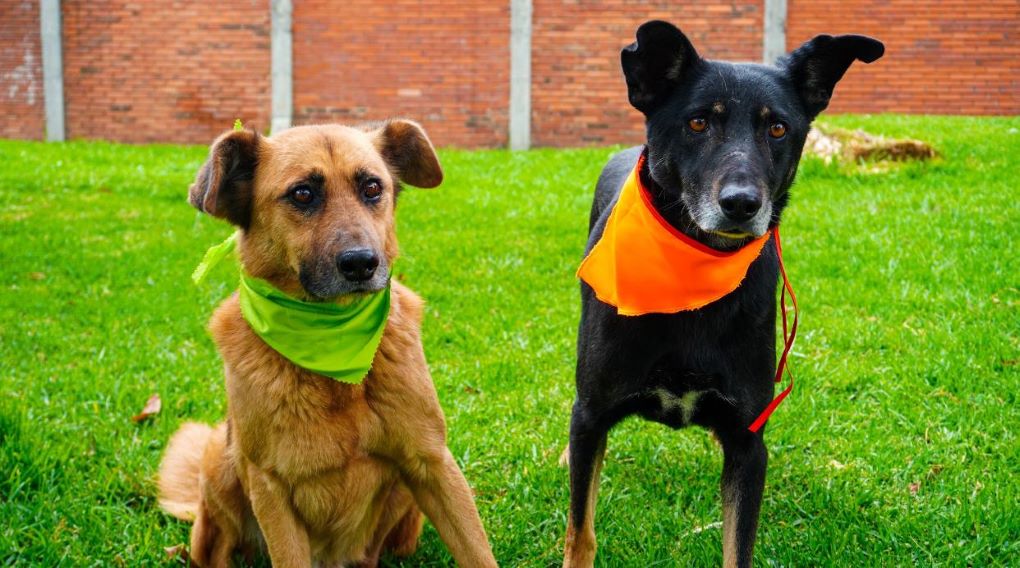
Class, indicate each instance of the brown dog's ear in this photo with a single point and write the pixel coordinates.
(820, 63)
(223, 187)
(406, 147)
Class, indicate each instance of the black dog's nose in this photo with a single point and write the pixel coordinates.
(358, 265)
(739, 202)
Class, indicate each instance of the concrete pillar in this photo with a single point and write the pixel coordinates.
(774, 32)
(282, 66)
(53, 68)
(520, 74)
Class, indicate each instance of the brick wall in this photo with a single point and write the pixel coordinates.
(21, 82)
(166, 70)
(942, 57)
(445, 63)
(162, 70)
(579, 96)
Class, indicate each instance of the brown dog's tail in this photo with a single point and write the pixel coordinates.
(179, 491)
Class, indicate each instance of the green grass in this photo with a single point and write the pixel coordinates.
(907, 362)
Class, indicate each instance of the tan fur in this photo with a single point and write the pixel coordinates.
(323, 471)
(580, 545)
(730, 543)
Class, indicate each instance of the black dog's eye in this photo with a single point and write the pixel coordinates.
(372, 189)
(698, 124)
(777, 130)
(302, 195)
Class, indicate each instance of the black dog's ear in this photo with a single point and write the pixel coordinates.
(819, 64)
(405, 146)
(223, 187)
(656, 63)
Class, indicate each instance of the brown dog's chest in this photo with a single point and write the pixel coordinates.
(318, 437)
(326, 441)
(297, 424)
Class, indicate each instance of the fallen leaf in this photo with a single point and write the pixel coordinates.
(178, 552)
(914, 487)
(152, 406)
(836, 464)
(37, 275)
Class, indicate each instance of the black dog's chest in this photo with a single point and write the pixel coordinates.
(699, 367)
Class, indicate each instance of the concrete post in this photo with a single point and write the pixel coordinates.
(520, 74)
(53, 68)
(774, 32)
(282, 66)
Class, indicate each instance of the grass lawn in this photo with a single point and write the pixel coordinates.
(898, 446)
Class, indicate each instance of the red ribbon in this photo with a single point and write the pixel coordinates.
(789, 334)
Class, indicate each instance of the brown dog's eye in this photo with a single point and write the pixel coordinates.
(777, 130)
(302, 195)
(372, 189)
(698, 124)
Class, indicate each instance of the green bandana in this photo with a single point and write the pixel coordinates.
(334, 340)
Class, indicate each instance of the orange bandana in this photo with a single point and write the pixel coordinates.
(642, 265)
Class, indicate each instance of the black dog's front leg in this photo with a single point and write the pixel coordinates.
(745, 459)
(587, 449)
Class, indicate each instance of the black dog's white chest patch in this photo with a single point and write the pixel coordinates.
(672, 409)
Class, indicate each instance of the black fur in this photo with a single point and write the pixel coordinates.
(644, 365)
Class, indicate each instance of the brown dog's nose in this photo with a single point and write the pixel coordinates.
(739, 202)
(357, 265)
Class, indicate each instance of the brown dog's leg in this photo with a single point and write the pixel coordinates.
(743, 482)
(203, 539)
(213, 541)
(286, 538)
(218, 522)
(398, 529)
(223, 552)
(403, 539)
(587, 450)
(443, 494)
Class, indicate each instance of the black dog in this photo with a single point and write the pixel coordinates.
(724, 141)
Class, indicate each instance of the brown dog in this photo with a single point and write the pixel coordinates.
(315, 469)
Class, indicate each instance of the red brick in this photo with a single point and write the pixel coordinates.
(167, 70)
(444, 63)
(579, 97)
(935, 52)
(21, 82)
(163, 71)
